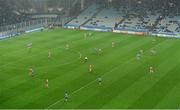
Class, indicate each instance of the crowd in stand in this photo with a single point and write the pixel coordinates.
(9, 16)
(153, 15)
(15, 11)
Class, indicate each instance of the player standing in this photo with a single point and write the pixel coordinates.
(29, 46)
(66, 96)
(67, 46)
(85, 59)
(138, 56)
(153, 52)
(90, 68)
(113, 44)
(99, 80)
(49, 54)
(90, 34)
(96, 51)
(47, 83)
(99, 51)
(141, 51)
(151, 69)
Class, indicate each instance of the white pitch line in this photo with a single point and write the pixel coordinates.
(86, 85)
(67, 62)
(71, 94)
(5, 65)
(59, 65)
(29, 57)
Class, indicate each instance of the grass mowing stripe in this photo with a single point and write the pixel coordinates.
(100, 104)
(25, 42)
(96, 104)
(84, 86)
(27, 57)
(130, 95)
(171, 100)
(147, 95)
(31, 56)
(18, 85)
(73, 76)
(135, 43)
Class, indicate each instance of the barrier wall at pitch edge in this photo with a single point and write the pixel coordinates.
(34, 30)
(13, 34)
(166, 35)
(138, 32)
(95, 29)
(129, 32)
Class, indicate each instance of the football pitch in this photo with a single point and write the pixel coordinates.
(126, 80)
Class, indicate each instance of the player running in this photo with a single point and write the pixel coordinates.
(47, 83)
(66, 96)
(90, 68)
(99, 79)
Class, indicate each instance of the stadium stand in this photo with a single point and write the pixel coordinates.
(168, 24)
(132, 23)
(85, 16)
(9, 15)
(118, 15)
(106, 18)
(140, 19)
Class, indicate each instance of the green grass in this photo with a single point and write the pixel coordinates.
(127, 82)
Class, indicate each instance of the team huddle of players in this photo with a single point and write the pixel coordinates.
(98, 51)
